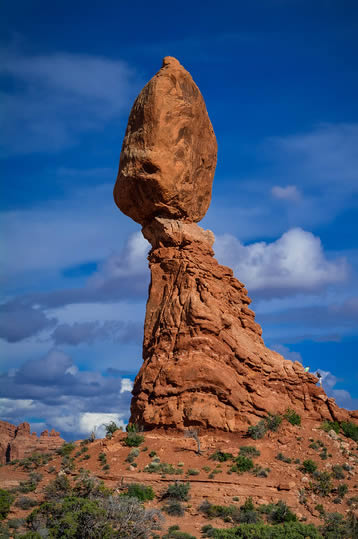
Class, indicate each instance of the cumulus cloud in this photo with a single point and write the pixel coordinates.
(290, 193)
(294, 262)
(286, 352)
(19, 321)
(89, 332)
(342, 396)
(59, 96)
(56, 392)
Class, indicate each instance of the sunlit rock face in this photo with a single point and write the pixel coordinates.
(168, 156)
(204, 361)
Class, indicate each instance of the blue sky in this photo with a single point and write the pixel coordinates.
(280, 81)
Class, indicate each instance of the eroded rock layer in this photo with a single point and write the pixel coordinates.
(205, 362)
(18, 442)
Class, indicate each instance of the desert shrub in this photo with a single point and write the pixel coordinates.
(133, 439)
(141, 492)
(337, 472)
(220, 456)
(174, 532)
(242, 464)
(319, 507)
(86, 457)
(258, 471)
(282, 457)
(15, 523)
(110, 429)
(106, 467)
(66, 449)
(350, 430)
(278, 513)
(133, 427)
(273, 422)
(331, 425)
(292, 417)
(102, 458)
(174, 508)
(288, 530)
(177, 491)
(26, 503)
(334, 526)
(193, 433)
(27, 486)
(193, 471)
(88, 486)
(163, 468)
(249, 451)
(133, 454)
(353, 501)
(218, 511)
(206, 469)
(323, 454)
(152, 454)
(102, 518)
(342, 490)
(257, 431)
(6, 499)
(308, 466)
(323, 486)
(58, 488)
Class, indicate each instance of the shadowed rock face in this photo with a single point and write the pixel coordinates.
(168, 156)
(205, 362)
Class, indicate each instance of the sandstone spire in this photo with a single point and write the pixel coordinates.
(204, 361)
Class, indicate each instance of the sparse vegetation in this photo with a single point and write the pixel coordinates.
(111, 428)
(308, 466)
(292, 417)
(174, 508)
(273, 422)
(66, 449)
(193, 433)
(141, 492)
(133, 439)
(257, 431)
(6, 499)
(350, 430)
(26, 503)
(331, 425)
(177, 491)
(249, 451)
(337, 472)
(242, 464)
(220, 456)
(282, 458)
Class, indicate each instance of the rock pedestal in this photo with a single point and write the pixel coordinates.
(204, 361)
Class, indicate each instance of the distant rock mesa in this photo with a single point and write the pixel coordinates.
(18, 442)
(205, 363)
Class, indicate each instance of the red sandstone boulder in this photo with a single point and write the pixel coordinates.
(168, 156)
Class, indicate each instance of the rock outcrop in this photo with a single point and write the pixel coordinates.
(18, 442)
(205, 363)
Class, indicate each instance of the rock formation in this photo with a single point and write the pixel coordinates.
(18, 442)
(205, 363)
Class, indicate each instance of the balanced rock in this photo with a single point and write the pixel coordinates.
(204, 361)
(168, 156)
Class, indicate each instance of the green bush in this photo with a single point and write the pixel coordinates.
(141, 492)
(66, 449)
(111, 429)
(249, 451)
(292, 417)
(6, 499)
(331, 425)
(257, 431)
(177, 491)
(58, 488)
(282, 457)
(133, 439)
(350, 430)
(193, 471)
(323, 486)
(308, 466)
(26, 503)
(103, 518)
(278, 513)
(288, 530)
(337, 472)
(174, 532)
(242, 464)
(342, 490)
(273, 422)
(221, 456)
(174, 508)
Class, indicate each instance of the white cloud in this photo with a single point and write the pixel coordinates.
(90, 421)
(294, 262)
(290, 193)
(286, 352)
(126, 385)
(60, 95)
